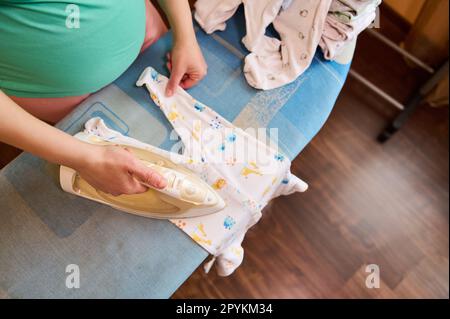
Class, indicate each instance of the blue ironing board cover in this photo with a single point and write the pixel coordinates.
(43, 229)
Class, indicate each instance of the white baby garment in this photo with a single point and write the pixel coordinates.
(272, 63)
(245, 172)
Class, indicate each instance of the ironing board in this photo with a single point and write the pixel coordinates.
(43, 229)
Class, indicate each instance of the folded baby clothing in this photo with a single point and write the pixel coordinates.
(345, 21)
(272, 62)
(302, 25)
(350, 10)
(246, 172)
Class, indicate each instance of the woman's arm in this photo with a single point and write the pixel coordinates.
(185, 62)
(110, 169)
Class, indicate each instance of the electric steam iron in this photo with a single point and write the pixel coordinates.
(185, 195)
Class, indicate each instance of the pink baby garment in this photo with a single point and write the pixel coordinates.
(272, 63)
(345, 21)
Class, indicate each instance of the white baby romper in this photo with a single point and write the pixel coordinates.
(244, 171)
(272, 63)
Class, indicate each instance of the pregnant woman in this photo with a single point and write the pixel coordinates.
(54, 54)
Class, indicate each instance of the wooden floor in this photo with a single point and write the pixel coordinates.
(367, 204)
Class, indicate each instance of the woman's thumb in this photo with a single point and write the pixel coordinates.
(174, 81)
(149, 177)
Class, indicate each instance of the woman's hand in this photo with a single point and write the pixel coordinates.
(186, 64)
(115, 170)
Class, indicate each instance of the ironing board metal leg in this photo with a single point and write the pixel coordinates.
(415, 101)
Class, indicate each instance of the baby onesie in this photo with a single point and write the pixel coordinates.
(272, 63)
(246, 172)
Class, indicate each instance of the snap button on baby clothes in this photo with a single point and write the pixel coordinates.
(304, 13)
(301, 35)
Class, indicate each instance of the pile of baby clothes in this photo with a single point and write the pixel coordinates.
(346, 19)
(302, 25)
(272, 62)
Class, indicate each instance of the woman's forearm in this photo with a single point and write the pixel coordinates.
(24, 131)
(110, 169)
(179, 15)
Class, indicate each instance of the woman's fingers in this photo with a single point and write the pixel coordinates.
(134, 187)
(174, 81)
(188, 82)
(148, 176)
(115, 170)
(186, 65)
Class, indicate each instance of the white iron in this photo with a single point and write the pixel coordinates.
(185, 195)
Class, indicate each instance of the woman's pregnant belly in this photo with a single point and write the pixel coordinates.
(59, 49)
(53, 109)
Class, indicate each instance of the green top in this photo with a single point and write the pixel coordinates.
(45, 52)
